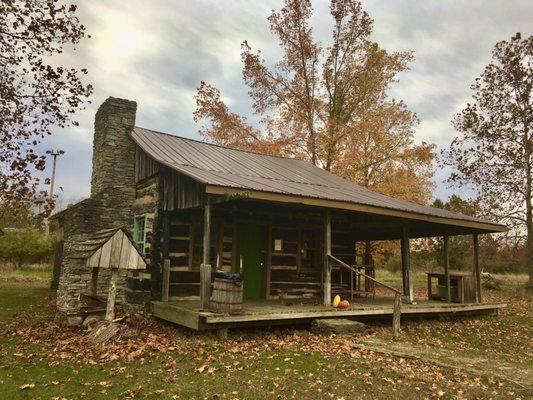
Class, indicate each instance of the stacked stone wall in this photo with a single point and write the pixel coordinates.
(113, 192)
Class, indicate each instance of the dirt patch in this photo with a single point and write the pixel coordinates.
(484, 366)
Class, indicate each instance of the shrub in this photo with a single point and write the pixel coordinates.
(26, 246)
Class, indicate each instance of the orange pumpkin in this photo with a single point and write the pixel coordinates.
(344, 305)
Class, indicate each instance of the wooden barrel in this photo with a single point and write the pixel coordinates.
(226, 297)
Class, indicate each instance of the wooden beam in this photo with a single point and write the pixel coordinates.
(406, 265)
(284, 198)
(327, 252)
(397, 310)
(205, 268)
(207, 232)
(166, 233)
(382, 310)
(475, 266)
(112, 295)
(166, 280)
(179, 315)
(446, 258)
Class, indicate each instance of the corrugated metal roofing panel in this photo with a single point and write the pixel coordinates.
(222, 166)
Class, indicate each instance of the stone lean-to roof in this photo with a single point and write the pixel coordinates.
(223, 167)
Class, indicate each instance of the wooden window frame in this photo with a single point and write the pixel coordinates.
(141, 245)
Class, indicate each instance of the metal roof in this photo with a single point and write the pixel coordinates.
(230, 168)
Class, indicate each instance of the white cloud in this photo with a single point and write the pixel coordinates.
(156, 52)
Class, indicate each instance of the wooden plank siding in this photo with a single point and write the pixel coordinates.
(180, 191)
(145, 166)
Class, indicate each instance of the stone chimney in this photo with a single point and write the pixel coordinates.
(113, 149)
(110, 204)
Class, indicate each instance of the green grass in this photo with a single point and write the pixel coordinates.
(501, 337)
(16, 298)
(27, 275)
(252, 365)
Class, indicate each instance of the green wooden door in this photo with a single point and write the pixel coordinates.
(251, 248)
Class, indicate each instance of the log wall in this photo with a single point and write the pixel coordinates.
(294, 248)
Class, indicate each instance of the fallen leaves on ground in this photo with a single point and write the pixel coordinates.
(278, 360)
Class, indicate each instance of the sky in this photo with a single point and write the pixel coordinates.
(156, 52)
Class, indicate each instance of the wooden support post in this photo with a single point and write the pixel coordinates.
(351, 285)
(396, 316)
(111, 296)
(327, 264)
(205, 268)
(166, 233)
(367, 266)
(166, 280)
(446, 257)
(406, 267)
(476, 270)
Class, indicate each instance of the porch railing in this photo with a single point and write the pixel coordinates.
(397, 308)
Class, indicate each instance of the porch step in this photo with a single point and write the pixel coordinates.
(337, 325)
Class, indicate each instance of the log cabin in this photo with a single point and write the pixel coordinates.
(289, 229)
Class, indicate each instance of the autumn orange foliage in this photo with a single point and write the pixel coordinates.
(328, 105)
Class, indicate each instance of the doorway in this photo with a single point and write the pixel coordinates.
(251, 257)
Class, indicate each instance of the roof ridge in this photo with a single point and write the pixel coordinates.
(223, 147)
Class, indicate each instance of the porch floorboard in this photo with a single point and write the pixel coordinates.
(274, 312)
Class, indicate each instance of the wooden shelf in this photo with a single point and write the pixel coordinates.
(179, 268)
(283, 267)
(179, 238)
(177, 254)
(280, 254)
(296, 283)
(184, 284)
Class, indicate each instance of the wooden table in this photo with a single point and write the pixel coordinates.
(462, 287)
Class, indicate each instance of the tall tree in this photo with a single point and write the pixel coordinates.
(35, 95)
(493, 152)
(328, 105)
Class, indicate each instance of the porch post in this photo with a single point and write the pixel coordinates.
(406, 273)
(445, 248)
(205, 268)
(476, 271)
(327, 252)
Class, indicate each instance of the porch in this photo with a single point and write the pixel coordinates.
(294, 259)
(188, 313)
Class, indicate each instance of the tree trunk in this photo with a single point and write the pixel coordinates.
(529, 256)
(529, 216)
(529, 220)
